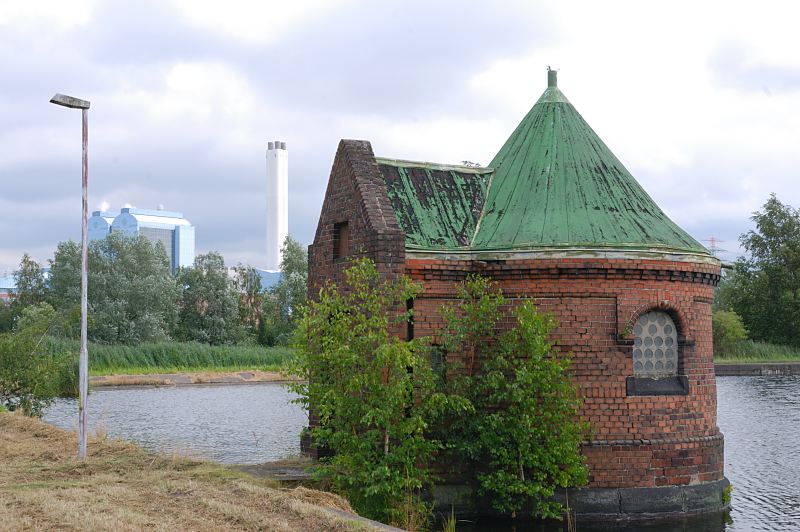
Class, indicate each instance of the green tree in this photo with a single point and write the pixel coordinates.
(6, 316)
(132, 295)
(65, 276)
(29, 371)
(284, 303)
(374, 394)
(210, 304)
(31, 288)
(764, 288)
(523, 439)
(247, 282)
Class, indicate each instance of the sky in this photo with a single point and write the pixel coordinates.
(699, 100)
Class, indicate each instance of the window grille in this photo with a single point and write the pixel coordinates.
(655, 345)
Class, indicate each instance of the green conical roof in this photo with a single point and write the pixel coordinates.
(556, 184)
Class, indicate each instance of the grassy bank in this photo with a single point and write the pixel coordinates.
(750, 351)
(165, 357)
(121, 487)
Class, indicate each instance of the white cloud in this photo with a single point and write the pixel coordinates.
(259, 22)
(700, 100)
(56, 14)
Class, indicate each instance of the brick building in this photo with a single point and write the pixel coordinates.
(556, 217)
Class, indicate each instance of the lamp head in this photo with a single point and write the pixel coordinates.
(69, 101)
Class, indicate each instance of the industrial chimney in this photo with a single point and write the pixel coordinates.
(277, 202)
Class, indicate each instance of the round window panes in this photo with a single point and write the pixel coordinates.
(655, 329)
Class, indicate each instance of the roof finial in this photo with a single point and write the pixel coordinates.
(552, 77)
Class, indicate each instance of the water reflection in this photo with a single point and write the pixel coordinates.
(245, 424)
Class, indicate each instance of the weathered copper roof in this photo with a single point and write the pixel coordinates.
(436, 205)
(553, 185)
(557, 184)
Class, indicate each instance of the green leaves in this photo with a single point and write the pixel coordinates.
(284, 303)
(373, 393)
(523, 439)
(505, 415)
(210, 305)
(133, 297)
(29, 369)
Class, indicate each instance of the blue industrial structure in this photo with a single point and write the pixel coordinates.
(171, 229)
(100, 225)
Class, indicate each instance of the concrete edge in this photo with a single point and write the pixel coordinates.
(358, 519)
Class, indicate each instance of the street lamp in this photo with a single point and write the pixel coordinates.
(83, 368)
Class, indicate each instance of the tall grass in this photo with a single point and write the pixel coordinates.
(168, 357)
(750, 351)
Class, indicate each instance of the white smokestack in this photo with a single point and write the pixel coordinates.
(277, 202)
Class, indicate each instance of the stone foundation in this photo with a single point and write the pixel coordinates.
(604, 504)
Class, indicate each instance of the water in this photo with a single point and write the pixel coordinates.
(245, 424)
(760, 417)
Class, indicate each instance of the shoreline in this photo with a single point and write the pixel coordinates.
(756, 369)
(189, 378)
(209, 378)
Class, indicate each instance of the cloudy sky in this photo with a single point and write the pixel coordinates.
(700, 100)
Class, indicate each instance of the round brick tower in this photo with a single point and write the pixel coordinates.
(557, 218)
(566, 224)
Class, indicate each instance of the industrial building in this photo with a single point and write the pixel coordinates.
(171, 229)
(557, 219)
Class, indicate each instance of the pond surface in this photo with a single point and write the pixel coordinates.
(243, 424)
(760, 417)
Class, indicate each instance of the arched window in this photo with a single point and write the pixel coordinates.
(655, 345)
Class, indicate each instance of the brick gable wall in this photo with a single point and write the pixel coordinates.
(356, 194)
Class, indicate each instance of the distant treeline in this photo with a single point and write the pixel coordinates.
(134, 298)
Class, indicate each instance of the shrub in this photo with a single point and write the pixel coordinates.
(373, 393)
(522, 439)
(728, 330)
(29, 369)
(508, 415)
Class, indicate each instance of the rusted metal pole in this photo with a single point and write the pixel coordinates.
(83, 368)
(83, 364)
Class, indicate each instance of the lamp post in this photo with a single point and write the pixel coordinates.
(83, 368)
